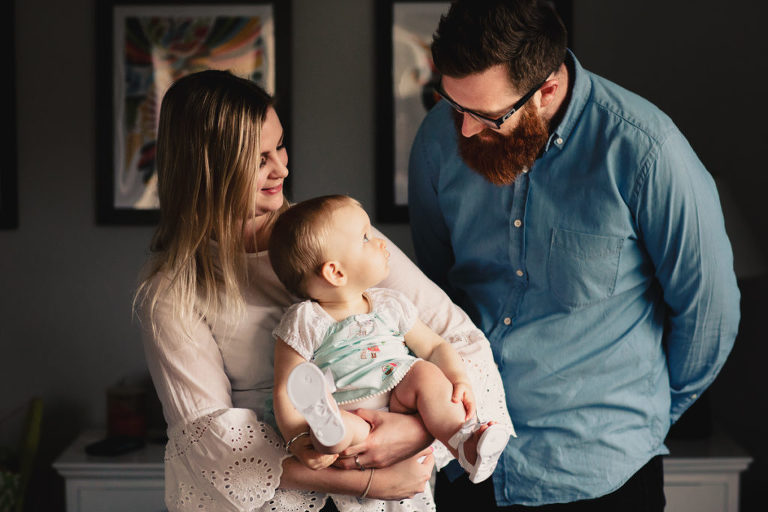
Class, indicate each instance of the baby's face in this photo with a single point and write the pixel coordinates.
(351, 242)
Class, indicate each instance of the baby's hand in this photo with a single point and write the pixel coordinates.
(303, 450)
(462, 392)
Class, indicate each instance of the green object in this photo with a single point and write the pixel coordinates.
(9, 490)
(15, 471)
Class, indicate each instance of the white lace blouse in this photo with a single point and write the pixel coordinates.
(222, 452)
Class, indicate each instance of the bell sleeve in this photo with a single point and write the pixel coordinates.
(217, 457)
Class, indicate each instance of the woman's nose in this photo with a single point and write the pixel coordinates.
(279, 170)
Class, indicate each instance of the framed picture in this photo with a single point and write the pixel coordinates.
(143, 46)
(9, 210)
(406, 82)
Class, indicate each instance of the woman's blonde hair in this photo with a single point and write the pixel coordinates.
(207, 168)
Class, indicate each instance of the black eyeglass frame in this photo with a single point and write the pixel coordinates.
(488, 121)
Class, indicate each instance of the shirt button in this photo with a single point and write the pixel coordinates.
(559, 141)
(519, 273)
(694, 396)
(518, 223)
(507, 321)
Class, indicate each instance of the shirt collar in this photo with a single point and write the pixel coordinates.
(581, 89)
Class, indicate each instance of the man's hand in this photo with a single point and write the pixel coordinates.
(393, 437)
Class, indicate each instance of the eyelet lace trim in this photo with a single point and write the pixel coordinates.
(422, 502)
(226, 460)
(182, 438)
(487, 384)
(295, 501)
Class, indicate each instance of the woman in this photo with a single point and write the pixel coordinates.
(209, 301)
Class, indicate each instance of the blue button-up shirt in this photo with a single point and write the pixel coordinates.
(603, 278)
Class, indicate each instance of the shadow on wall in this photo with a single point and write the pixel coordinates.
(738, 400)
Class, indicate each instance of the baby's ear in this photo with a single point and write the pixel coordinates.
(333, 273)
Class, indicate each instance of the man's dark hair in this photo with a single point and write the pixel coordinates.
(527, 36)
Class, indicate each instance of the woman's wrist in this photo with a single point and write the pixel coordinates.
(294, 439)
(368, 487)
(329, 480)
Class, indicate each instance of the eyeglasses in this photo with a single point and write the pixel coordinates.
(488, 121)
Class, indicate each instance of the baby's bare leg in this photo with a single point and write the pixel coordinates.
(357, 429)
(427, 390)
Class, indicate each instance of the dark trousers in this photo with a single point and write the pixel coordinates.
(644, 492)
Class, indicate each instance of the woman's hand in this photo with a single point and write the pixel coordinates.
(403, 479)
(393, 437)
(398, 481)
(303, 450)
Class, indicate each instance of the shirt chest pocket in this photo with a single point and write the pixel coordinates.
(582, 267)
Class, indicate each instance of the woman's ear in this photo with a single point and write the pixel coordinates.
(333, 273)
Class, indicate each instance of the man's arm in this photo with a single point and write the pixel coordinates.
(681, 223)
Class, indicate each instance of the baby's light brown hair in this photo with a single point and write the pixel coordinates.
(297, 242)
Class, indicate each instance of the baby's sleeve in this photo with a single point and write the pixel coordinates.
(300, 328)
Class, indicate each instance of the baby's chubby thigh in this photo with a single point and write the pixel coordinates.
(425, 387)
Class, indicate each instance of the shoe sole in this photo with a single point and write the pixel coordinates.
(492, 442)
(306, 388)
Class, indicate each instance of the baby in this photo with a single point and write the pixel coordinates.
(359, 340)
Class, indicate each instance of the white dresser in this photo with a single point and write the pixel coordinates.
(699, 476)
(703, 475)
(132, 482)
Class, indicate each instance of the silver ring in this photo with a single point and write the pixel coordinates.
(359, 466)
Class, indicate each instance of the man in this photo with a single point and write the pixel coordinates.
(575, 224)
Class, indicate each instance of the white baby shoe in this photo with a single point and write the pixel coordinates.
(308, 391)
(489, 448)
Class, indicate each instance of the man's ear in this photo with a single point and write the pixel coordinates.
(333, 273)
(551, 86)
(548, 91)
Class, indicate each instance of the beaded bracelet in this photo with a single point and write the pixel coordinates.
(297, 436)
(367, 487)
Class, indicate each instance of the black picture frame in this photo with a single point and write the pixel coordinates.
(9, 199)
(123, 192)
(398, 119)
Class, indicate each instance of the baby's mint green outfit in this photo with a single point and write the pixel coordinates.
(365, 354)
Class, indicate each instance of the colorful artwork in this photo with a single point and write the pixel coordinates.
(155, 45)
(413, 79)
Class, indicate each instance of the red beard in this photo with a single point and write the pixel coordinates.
(500, 158)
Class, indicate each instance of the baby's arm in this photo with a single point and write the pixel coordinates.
(427, 344)
(289, 420)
